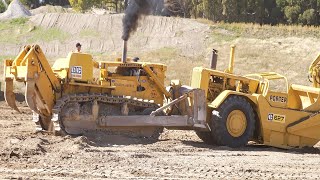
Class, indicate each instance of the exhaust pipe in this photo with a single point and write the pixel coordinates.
(214, 59)
(124, 52)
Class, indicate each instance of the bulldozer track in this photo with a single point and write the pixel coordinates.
(58, 126)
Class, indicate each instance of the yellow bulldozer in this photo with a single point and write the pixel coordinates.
(68, 98)
(129, 96)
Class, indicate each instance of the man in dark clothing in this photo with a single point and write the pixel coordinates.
(78, 46)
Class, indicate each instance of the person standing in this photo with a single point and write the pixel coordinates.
(78, 46)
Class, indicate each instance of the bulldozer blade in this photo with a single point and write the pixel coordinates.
(9, 95)
(31, 97)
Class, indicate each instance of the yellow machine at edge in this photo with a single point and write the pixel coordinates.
(223, 108)
(243, 108)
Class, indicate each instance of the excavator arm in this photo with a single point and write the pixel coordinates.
(32, 68)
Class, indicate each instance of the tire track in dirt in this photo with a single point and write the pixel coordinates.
(177, 155)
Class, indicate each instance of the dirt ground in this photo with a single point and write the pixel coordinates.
(177, 155)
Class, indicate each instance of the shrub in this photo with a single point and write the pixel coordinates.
(2, 7)
(308, 17)
(292, 13)
(30, 3)
(82, 5)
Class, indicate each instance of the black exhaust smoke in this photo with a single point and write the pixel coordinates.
(135, 10)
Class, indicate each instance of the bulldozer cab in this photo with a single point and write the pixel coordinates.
(77, 67)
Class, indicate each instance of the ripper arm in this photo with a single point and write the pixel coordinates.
(32, 68)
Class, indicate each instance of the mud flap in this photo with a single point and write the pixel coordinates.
(9, 95)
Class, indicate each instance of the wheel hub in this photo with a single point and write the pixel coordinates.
(236, 123)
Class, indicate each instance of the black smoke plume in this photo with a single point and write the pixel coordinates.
(135, 10)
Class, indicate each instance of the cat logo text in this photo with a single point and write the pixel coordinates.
(276, 118)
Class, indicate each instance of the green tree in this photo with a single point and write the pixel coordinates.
(31, 3)
(36, 3)
(292, 13)
(275, 16)
(282, 4)
(196, 8)
(82, 5)
(182, 8)
(308, 17)
(208, 9)
(230, 11)
(2, 7)
(217, 10)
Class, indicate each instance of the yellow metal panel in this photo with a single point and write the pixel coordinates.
(136, 79)
(268, 112)
(200, 79)
(253, 86)
(22, 54)
(277, 139)
(304, 141)
(227, 75)
(293, 140)
(37, 54)
(294, 101)
(105, 64)
(80, 88)
(45, 91)
(309, 96)
(158, 80)
(61, 63)
(128, 86)
(92, 85)
(268, 75)
(81, 67)
(274, 119)
(305, 89)
(124, 85)
(225, 94)
(277, 99)
(62, 74)
(309, 128)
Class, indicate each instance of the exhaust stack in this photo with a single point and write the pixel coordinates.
(124, 52)
(231, 62)
(214, 59)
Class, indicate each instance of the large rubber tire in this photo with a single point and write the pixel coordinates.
(206, 137)
(220, 122)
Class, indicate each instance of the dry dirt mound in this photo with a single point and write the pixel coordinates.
(15, 10)
(102, 33)
(51, 9)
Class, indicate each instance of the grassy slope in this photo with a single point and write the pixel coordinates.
(287, 50)
(19, 31)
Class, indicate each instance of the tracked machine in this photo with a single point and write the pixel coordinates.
(130, 97)
(68, 98)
